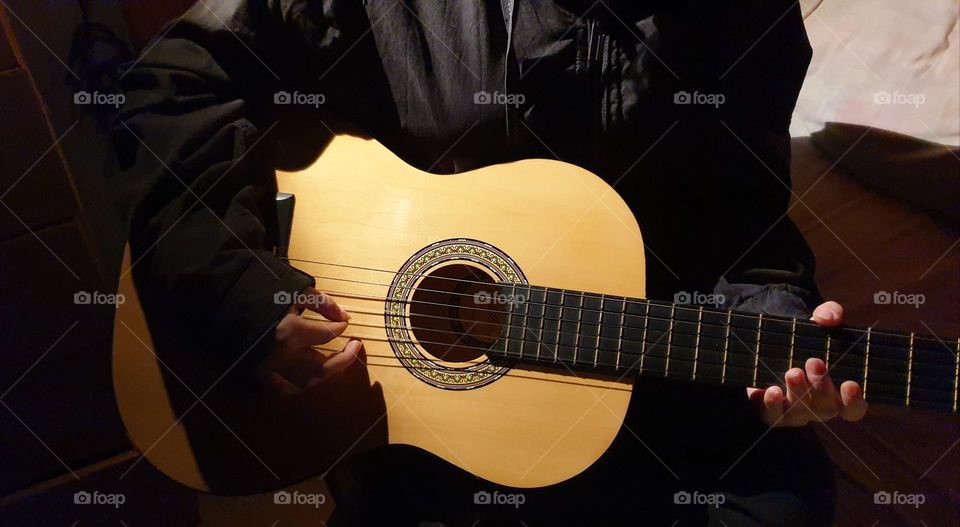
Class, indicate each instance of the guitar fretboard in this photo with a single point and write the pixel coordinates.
(622, 336)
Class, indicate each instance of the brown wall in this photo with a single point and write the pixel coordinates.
(58, 412)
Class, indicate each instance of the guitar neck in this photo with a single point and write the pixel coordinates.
(624, 336)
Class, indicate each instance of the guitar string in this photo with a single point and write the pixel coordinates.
(852, 350)
(511, 373)
(916, 362)
(835, 370)
(654, 342)
(515, 373)
(674, 375)
(679, 376)
(347, 294)
(585, 295)
(749, 316)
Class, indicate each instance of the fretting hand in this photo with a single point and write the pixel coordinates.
(811, 394)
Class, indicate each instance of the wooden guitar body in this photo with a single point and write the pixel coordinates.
(370, 227)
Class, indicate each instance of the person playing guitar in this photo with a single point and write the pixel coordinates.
(683, 107)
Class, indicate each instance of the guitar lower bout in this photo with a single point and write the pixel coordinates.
(429, 267)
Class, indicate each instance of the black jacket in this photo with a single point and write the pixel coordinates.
(630, 90)
(599, 85)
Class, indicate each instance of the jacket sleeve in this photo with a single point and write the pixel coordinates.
(768, 265)
(197, 184)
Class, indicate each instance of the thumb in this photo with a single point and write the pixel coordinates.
(829, 314)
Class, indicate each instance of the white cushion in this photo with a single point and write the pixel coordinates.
(889, 64)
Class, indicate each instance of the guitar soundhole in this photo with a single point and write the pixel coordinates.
(454, 315)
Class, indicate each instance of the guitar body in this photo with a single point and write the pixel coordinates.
(369, 227)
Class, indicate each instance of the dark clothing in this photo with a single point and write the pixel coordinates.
(629, 90)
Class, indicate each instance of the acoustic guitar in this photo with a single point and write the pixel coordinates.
(502, 330)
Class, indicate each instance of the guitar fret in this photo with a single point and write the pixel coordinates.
(696, 344)
(666, 368)
(539, 333)
(510, 324)
(866, 363)
(506, 341)
(510, 307)
(827, 360)
(726, 349)
(526, 309)
(646, 324)
(793, 342)
(576, 345)
(756, 358)
(956, 376)
(556, 349)
(623, 311)
(596, 343)
(910, 368)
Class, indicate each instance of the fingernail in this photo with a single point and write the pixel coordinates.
(795, 377)
(819, 367)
